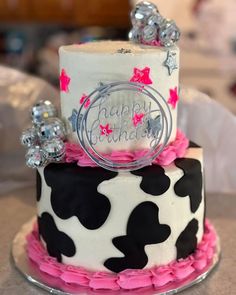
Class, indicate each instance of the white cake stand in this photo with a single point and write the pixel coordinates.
(53, 286)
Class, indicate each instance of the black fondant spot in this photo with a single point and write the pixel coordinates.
(143, 229)
(58, 243)
(75, 193)
(38, 186)
(193, 145)
(187, 240)
(191, 183)
(154, 181)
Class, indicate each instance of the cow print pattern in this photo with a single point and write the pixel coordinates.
(38, 186)
(143, 229)
(187, 240)
(74, 193)
(58, 243)
(154, 181)
(191, 183)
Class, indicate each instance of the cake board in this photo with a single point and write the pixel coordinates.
(36, 277)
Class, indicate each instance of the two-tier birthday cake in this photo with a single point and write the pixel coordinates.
(120, 190)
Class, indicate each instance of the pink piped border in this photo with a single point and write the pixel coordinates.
(176, 149)
(157, 277)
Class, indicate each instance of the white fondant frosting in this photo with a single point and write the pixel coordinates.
(93, 247)
(88, 65)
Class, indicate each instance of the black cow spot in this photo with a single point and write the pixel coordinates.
(191, 183)
(143, 229)
(193, 145)
(57, 242)
(154, 181)
(187, 240)
(75, 193)
(38, 186)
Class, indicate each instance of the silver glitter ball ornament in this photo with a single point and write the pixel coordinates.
(35, 157)
(42, 111)
(149, 34)
(169, 33)
(155, 20)
(55, 150)
(141, 13)
(29, 137)
(135, 35)
(50, 129)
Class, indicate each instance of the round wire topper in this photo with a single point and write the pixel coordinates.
(124, 117)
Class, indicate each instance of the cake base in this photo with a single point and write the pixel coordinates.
(34, 275)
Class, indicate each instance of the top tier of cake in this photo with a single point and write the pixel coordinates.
(85, 67)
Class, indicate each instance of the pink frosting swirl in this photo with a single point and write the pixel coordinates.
(176, 149)
(158, 276)
(162, 275)
(133, 279)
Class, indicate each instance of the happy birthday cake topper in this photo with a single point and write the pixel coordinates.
(127, 113)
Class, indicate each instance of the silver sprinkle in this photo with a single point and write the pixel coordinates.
(123, 50)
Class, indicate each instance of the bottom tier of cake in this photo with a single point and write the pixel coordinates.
(107, 221)
(173, 276)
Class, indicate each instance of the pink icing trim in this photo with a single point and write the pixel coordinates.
(158, 276)
(153, 43)
(176, 149)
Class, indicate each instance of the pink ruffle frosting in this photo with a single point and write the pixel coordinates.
(156, 277)
(176, 149)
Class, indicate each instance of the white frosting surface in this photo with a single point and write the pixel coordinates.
(89, 64)
(124, 193)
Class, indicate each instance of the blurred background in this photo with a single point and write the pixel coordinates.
(31, 31)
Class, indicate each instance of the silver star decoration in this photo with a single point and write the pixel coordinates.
(101, 87)
(154, 126)
(73, 119)
(100, 84)
(171, 62)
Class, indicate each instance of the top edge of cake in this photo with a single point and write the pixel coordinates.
(113, 47)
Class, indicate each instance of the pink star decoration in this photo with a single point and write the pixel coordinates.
(138, 119)
(64, 81)
(174, 97)
(141, 76)
(105, 130)
(82, 99)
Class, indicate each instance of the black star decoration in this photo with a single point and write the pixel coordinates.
(171, 62)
